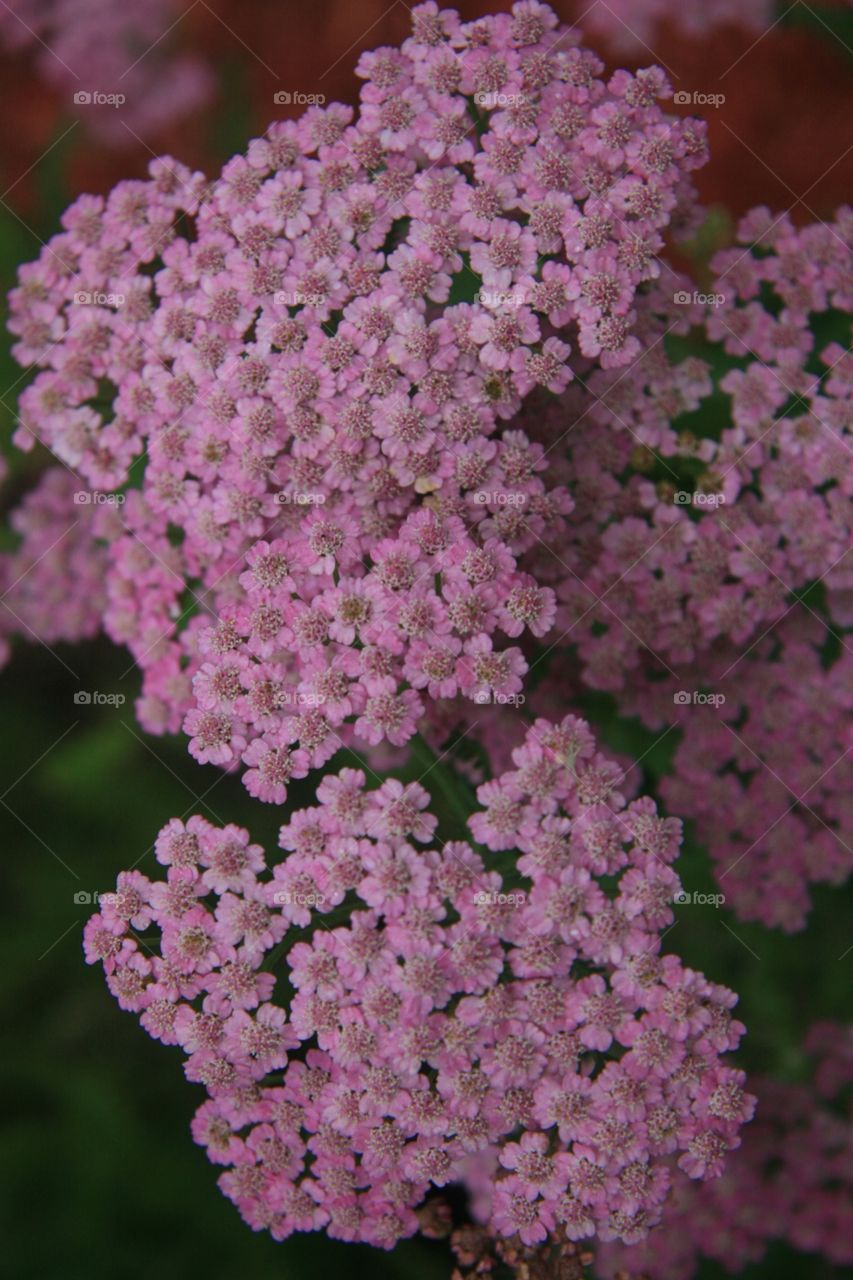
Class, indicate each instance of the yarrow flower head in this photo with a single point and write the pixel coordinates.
(703, 576)
(790, 1181)
(318, 355)
(495, 1015)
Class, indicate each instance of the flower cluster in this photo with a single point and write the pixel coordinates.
(317, 356)
(760, 764)
(791, 1180)
(107, 59)
(52, 585)
(349, 652)
(764, 775)
(704, 575)
(702, 503)
(519, 1034)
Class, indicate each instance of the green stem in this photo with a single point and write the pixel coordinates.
(455, 796)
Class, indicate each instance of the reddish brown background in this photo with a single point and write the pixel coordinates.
(780, 135)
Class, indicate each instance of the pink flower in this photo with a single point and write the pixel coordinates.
(455, 1040)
